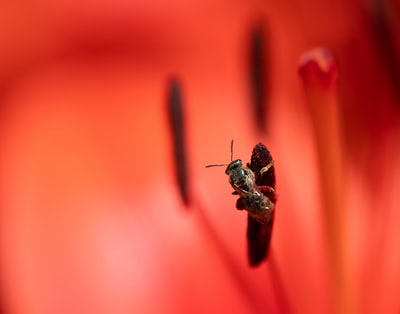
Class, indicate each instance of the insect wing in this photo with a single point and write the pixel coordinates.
(259, 234)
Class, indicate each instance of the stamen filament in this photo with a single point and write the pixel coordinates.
(318, 69)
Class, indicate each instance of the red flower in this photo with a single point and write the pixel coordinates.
(92, 220)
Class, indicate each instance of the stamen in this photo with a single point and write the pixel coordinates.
(176, 120)
(318, 69)
(259, 79)
(383, 19)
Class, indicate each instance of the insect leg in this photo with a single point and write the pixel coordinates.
(265, 169)
(240, 204)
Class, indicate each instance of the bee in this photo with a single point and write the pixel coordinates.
(255, 186)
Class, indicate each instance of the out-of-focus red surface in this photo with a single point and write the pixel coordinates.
(91, 221)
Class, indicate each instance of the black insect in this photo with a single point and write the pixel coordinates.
(255, 185)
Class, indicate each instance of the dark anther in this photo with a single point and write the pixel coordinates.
(176, 120)
(379, 12)
(259, 78)
(261, 157)
(258, 234)
(258, 239)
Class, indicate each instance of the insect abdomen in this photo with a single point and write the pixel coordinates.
(259, 207)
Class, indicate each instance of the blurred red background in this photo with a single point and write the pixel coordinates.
(91, 219)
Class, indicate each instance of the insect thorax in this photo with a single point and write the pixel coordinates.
(242, 180)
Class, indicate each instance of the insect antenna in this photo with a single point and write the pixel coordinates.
(216, 165)
(231, 149)
(221, 165)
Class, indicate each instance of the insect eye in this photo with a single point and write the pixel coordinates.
(233, 165)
